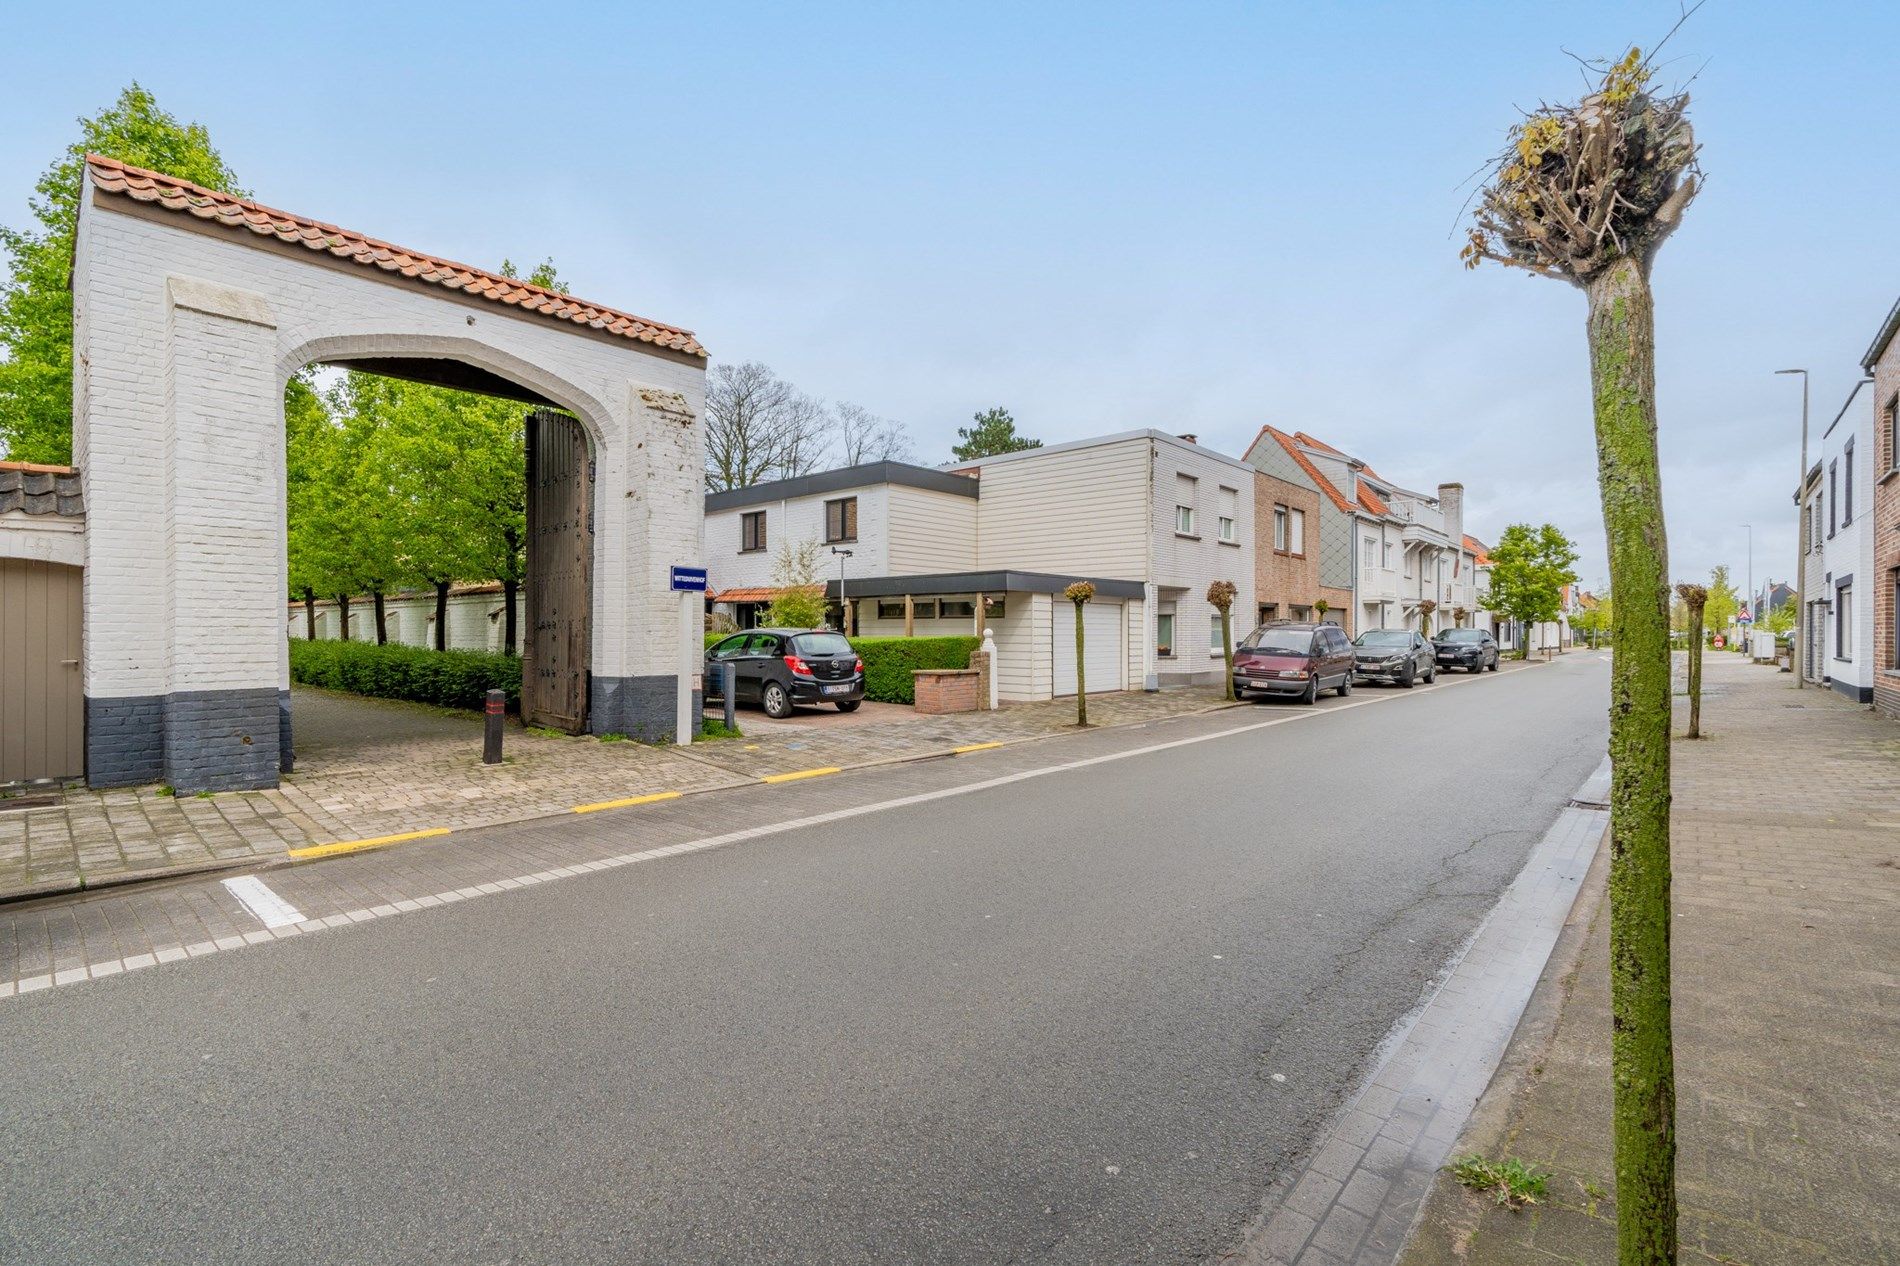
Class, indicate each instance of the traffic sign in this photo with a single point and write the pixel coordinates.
(689, 579)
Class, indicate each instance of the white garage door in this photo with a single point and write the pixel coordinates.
(1102, 629)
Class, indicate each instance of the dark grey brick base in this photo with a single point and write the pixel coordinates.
(286, 753)
(198, 740)
(125, 741)
(1859, 694)
(638, 707)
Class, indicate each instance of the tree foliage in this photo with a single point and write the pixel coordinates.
(800, 601)
(36, 305)
(991, 432)
(1529, 569)
(1723, 601)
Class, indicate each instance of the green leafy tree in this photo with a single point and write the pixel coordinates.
(1723, 602)
(992, 431)
(1588, 193)
(36, 305)
(1780, 620)
(1529, 569)
(800, 601)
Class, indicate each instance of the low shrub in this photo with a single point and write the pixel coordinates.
(449, 679)
(888, 662)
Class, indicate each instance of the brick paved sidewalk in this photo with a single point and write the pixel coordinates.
(369, 768)
(1787, 942)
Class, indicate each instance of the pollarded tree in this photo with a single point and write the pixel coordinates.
(1695, 598)
(1220, 595)
(1081, 593)
(1588, 193)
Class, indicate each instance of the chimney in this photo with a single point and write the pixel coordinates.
(1192, 439)
(1451, 504)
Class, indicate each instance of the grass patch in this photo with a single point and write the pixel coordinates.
(167, 790)
(716, 729)
(1511, 1181)
(613, 738)
(205, 795)
(542, 731)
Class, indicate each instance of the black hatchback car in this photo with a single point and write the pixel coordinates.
(1473, 650)
(777, 668)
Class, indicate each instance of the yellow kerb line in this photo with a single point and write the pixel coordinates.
(630, 800)
(972, 747)
(796, 774)
(350, 846)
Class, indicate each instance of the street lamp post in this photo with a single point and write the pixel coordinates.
(1748, 634)
(1801, 553)
(844, 611)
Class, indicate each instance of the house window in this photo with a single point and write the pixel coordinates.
(841, 520)
(1184, 520)
(1844, 622)
(1892, 427)
(1227, 530)
(1371, 546)
(1296, 533)
(1385, 555)
(1214, 642)
(957, 608)
(890, 610)
(752, 532)
(1185, 487)
(1229, 512)
(926, 609)
(1279, 529)
(1833, 497)
(1847, 498)
(1164, 631)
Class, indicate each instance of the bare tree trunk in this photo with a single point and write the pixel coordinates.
(1623, 381)
(309, 614)
(1227, 650)
(1081, 678)
(442, 615)
(343, 613)
(1695, 672)
(382, 621)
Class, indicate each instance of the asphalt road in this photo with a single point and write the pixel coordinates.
(1036, 1023)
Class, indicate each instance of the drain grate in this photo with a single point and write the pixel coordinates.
(1575, 803)
(30, 802)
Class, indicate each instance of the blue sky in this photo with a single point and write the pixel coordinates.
(1198, 218)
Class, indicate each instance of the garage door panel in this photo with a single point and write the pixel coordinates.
(1103, 629)
(41, 705)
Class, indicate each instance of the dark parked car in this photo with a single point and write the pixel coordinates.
(1293, 659)
(777, 668)
(1399, 656)
(1473, 650)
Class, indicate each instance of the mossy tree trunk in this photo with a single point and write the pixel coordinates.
(1623, 380)
(382, 616)
(309, 613)
(343, 613)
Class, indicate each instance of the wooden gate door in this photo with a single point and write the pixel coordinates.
(42, 708)
(555, 654)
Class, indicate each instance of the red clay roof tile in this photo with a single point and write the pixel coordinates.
(113, 177)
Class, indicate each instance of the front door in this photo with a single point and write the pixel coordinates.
(42, 711)
(555, 654)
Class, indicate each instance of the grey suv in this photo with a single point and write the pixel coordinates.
(1473, 650)
(1399, 656)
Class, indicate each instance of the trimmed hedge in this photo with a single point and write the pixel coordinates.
(449, 679)
(888, 661)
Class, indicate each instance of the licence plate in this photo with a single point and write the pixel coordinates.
(837, 690)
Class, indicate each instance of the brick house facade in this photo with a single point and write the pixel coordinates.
(1882, 362)
(1286, 552)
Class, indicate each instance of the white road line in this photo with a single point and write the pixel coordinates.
(266, 906)
(284, 920)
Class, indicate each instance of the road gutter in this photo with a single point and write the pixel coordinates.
(1361, 1189)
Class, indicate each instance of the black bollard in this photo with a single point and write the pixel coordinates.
(727, 674)
(491, 735)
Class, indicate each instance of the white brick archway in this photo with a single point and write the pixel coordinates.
(191, 310)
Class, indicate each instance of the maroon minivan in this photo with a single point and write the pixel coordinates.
(1293, 659)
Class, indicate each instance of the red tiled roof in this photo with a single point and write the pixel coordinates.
(1478, 551)
(113, 177)
(1370, 501)
(1291, 443)
(755, 594)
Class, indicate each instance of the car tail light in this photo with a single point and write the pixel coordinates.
(798, 666)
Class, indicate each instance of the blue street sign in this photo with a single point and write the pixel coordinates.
(689, 579)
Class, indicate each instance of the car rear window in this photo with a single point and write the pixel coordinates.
(821, 644)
